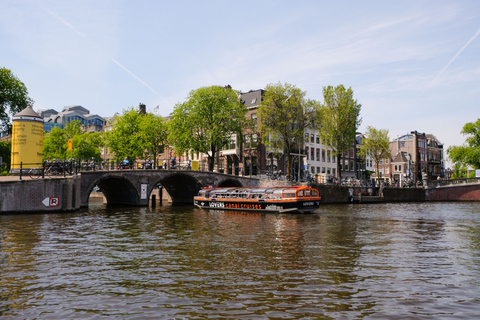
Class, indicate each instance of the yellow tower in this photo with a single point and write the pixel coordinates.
(27, 140)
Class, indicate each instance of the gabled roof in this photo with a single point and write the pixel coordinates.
(252, 98)
(399, 158)
(432, 137)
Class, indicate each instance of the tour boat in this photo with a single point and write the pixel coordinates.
(276, 199)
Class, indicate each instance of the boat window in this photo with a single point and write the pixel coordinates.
(315, 193)
(289, 195)
(300, 193)
(308, 193)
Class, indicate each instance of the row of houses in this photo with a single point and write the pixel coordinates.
(414, 155)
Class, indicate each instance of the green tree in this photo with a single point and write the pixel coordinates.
(123, 139)
(5, 154)
(467, 155)
(284, 115)
(338, 120)
(13, 98)
(86, 145)
(55, 144)
(206, 121)
(376, 144)
(153, 134)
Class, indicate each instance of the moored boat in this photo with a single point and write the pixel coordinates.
(276, 199)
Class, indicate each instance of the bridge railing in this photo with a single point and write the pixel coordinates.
(37, 170)
(161, 164)
(451, 182)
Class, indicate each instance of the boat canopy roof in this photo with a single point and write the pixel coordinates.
(256, 190)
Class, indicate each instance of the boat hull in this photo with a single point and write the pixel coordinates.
(294, 206)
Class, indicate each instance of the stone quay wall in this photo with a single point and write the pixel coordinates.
(40, 195)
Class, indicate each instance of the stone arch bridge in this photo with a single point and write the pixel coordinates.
(133, 187)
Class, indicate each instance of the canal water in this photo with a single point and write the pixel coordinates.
(377, 261)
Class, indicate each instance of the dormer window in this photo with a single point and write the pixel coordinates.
(254, 100)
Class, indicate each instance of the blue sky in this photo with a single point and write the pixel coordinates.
(413, 65)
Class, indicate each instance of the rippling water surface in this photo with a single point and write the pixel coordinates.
(381, 261)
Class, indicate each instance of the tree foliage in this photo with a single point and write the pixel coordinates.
(469, 153)
(338, 120)
(13, 98)
(55, 144)
(136, 136)
(153, 134)
(5, 154)
(284, 115)
(86, 145)
(206, 121)
(122, 139)
(376, 144)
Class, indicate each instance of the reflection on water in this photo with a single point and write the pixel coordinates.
(381, 261)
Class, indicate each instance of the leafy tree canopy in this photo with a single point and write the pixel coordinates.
(206, 121)
(284, 115)
(86, 145)
(376, 144)
(13, 98)
(153, 134)
(469, 153)
(136, 136)
(338, 120)
(122, 139)
(6, 152)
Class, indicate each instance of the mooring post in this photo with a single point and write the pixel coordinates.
(160, 194)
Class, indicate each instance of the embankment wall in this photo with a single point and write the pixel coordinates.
(40, 195)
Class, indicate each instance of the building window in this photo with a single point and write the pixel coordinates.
(306, 152)
(254, 119)
(312, 137)
(323, 155)
(328, 155)
(247, 141)
(233, 143)
(318, 154)
(317, 139)
(254, 140)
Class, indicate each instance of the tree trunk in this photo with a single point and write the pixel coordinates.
(339, 171)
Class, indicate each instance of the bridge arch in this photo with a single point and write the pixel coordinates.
(134, 187)
(229, 183)
(117, 190)
(180, 186)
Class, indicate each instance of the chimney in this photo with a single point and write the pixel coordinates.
(142, 109)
